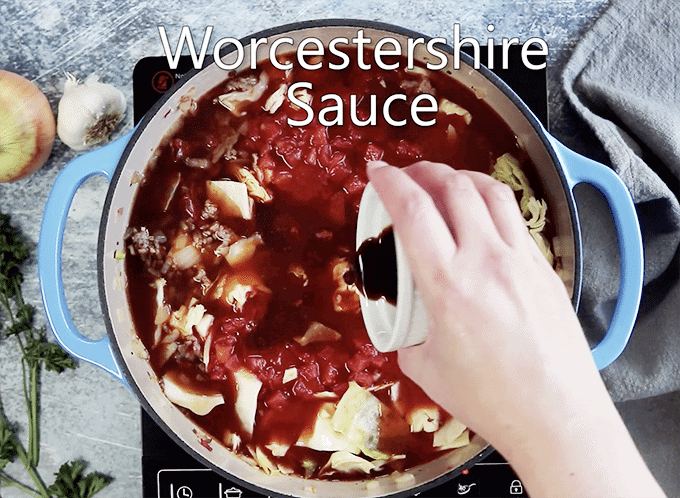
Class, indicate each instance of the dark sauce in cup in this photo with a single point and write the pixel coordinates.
(375, 267)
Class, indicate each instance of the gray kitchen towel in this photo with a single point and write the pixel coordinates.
(623, 79)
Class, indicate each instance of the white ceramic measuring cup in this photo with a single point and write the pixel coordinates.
(390, 327)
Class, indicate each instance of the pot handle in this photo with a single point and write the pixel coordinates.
(580, 169)
(102, 161)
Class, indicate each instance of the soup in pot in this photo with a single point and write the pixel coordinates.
(240, 262)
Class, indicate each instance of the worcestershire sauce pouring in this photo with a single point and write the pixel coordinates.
(375, 267)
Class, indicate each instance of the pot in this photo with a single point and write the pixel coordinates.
(122, 354)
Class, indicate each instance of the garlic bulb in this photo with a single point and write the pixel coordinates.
(88, 112)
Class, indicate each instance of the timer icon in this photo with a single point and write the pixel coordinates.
(184, 492)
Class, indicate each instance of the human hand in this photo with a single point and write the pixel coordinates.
(506, 354)
(493, 299)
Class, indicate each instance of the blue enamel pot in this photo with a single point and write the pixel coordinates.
(122, 354)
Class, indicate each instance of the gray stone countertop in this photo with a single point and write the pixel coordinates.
(86, 414)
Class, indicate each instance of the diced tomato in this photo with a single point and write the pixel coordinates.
(302, 187)
(311, 155)
(309, 371)
(265, 162)
(290, 151)
(358, 363)
(318, 135)
(335, 353)
(223, 356)
(277, 400)
(369, 365)
(270, 129)
(277, 359)
(335, 163)
(354, 133)
(233, 325)
(409, 150)
(355, 184)
(364, 379)
(373, 152)
(342, 143)
(283, 179)
(300, 388)
(273, 376)
(329, 374)
(244, 321)
(256, 363)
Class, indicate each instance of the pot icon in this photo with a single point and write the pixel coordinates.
(231, 493)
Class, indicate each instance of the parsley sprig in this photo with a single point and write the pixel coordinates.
(37, 352)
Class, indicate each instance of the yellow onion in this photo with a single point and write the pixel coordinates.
(27, 127)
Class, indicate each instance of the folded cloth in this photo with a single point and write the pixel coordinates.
(623, 79)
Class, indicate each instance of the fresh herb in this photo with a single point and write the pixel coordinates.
(71, 483)
(37, 352)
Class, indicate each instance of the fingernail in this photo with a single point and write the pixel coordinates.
(374, 165)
